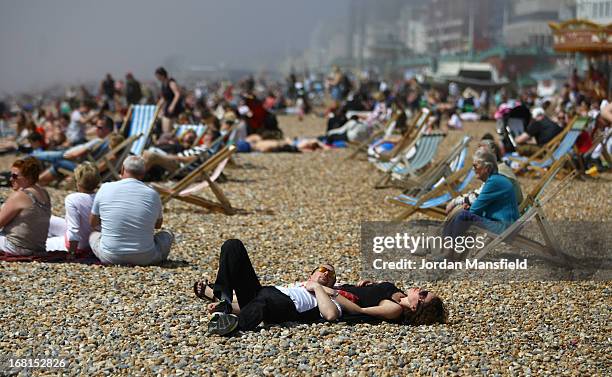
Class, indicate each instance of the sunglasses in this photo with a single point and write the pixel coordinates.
(423, 294)
(323, 269)
(14, 176)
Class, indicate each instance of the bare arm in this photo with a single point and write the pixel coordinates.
(523, 138)
(94, 221)
(388, 310)
(11, 208)
(328, 309)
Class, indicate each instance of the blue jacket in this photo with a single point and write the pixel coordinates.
(497, 201)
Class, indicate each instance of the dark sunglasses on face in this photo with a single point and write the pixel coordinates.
(14, 176)
(423, 294)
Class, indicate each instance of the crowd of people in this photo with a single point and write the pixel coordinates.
(120, 222)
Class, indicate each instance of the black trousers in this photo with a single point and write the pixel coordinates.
(257, 303)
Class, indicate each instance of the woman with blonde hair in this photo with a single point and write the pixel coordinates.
(72, 233)
(24, 217)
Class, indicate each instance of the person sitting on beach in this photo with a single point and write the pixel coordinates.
(128, 212)
(383, 300)
(79, 118)
(70, 158)
(24, 217)
(495, 208)
(503, 169)
(542, 129)
(72, 233)
(171, 156)
(309, 301)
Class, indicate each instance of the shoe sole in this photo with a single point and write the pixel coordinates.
(224, 324)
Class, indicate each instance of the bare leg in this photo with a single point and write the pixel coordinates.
(46, 177)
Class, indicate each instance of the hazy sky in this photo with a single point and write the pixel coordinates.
(57, 41)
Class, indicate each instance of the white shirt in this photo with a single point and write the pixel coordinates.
(128, 210)
(78, 207)
(302, 298)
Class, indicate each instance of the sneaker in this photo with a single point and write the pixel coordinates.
(222, 324)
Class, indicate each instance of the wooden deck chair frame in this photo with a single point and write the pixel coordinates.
(174, 192)
(363, 146)
(227, 138)
(423, 183)
(531, 208)
(447, 186)
(386, 177)
(149, 128)
(108, 166)
(416, 128)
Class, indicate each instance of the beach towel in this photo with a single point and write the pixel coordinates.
(51, 257)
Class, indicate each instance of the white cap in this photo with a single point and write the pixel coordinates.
(537, 112)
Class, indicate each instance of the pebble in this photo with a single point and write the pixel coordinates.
(304, 209)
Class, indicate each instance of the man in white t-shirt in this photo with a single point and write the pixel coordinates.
(128, 212)
(311, 300)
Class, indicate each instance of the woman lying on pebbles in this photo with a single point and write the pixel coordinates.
(383, 300)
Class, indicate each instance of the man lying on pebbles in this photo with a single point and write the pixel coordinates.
(307, 302)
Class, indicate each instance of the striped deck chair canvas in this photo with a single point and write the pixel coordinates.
(433, 203)
(453, 162)
(409, 163)
(544, 160)
(141, 119)
(200, 129)
(414, 130)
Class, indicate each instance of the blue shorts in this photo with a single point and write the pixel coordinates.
(243, 146)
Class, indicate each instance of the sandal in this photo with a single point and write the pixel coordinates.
(199, 288)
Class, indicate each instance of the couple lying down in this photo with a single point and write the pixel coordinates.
(315, 299)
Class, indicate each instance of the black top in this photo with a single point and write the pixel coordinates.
(168, 96)
(543, 130)
(108, 87)
(371, 295)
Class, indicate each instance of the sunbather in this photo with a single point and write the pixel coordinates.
(24, 217)
(385, 301)
(70, 158)
(72, 233)
(308, 301)
(503, 169)
(255, 143)
(495, 208)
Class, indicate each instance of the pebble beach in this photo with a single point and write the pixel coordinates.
(296, 211)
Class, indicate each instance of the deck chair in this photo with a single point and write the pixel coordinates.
(433, 203)
(141, 119)
(387, 130)
(426, 149)
(530, 209)
(109, 164)
(454, 161)
(209, 170)
(200, 129)
(559, 146)
(215, 146)
(415, 128)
